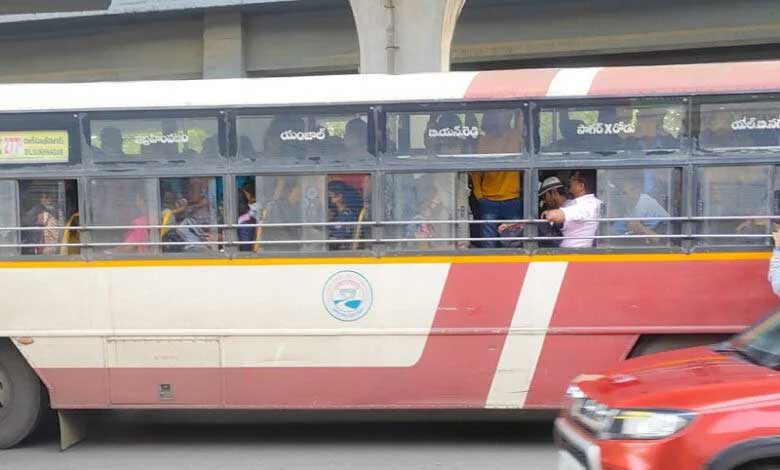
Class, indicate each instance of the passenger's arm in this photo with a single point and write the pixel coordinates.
(774, 265)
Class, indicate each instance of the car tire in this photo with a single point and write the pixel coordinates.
(761, 466)
(21, 397)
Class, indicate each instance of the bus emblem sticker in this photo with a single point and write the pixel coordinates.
(347, 296)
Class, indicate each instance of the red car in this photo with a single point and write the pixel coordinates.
(713, 408)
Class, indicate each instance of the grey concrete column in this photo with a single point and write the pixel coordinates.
(405, 36)
(223, 45)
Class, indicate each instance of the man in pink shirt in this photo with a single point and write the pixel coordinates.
(577, 216)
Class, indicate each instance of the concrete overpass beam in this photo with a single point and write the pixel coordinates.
(223, 45)
(405, 36)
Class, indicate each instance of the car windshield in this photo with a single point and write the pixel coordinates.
(761, 342)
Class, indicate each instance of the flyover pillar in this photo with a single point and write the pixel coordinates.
(223, 45)
(405, 36)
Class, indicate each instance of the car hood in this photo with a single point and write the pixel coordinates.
(691, 379)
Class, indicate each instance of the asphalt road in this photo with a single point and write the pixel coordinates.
(143, 441)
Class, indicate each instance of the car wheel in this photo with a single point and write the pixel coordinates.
(761, 466)
(20, 397)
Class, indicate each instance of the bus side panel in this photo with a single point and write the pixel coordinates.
(612, 300)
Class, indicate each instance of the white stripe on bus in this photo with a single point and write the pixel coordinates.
(572, 82)
(521, 351)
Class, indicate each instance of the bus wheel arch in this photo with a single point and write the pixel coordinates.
(23, 398)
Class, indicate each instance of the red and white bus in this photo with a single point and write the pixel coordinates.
(317, 243)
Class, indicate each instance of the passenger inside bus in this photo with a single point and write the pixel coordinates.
(137, 239)
(43, 205)
(498, 193)
(577, 216)
(279, 139)
(111, 142)
(639, 204)
(190, 212)
(344, 206)
(356, 138)
(248, 215)
(650, 133)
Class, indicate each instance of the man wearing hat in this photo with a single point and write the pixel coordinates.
(553, 196)
(577, 216)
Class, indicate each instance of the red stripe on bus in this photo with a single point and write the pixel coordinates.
(454, 370)
(663, 294)
(690, 78)
(511, 84)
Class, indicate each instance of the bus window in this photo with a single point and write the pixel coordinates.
(154, 138)
(432, 206)
(640, 193)
(50, 206)
(567, 199)
(299, 199)
(293, 138)
(729, 126)
(9, 216)
(442, 135)
(189, 208)
(127, 203)
(732, 191)
(606, 130)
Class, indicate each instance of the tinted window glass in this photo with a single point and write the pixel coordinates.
(287, 138)
(50, 206)
(187, 207)
(631, 127)
(163, 138)
(734, 191)
(124, 202)
(639, 193)
(420, 200)
(427, 135)
(739, 125)
(8, 217)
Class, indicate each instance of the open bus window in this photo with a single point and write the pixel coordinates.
(293, 138)
(429, 135)
(50, 207)
(432, 207)
(643, 194)
(9, 215)
(189, 210)
(305, 202)
(127, 203)
(607, 130)
(127, 140)
(726, 192)
(734, 126)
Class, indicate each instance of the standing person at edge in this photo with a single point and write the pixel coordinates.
(774, 265)
(577, 217)
(497, 192)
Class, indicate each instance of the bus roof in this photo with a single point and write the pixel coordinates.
(659, 80)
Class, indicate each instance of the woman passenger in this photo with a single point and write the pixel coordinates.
(344, 205)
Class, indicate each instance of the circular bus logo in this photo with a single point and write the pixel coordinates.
(347, 296)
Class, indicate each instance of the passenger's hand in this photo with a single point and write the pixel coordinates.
(555, 215)
(776, 238)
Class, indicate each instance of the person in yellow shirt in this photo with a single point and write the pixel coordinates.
(498, 193)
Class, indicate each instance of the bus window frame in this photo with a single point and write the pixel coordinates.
(723, 154)
(242, 164)
(630, 165)
(610, 156)
(59, 121)
(391, 160)
(137, 161)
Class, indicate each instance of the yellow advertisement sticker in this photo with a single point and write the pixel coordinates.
(33, 147)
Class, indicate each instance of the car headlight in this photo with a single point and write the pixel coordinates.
(648, 424)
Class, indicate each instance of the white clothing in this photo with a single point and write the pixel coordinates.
(575, 225)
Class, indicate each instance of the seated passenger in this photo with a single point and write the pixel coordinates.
(356, 138)
(451, 144)
(344, 205)
(247, 207)
(284, 138)
(137, 239)
(570, 140)
(642, 206)
(111, 142)
(650, 133)
(577, 217)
